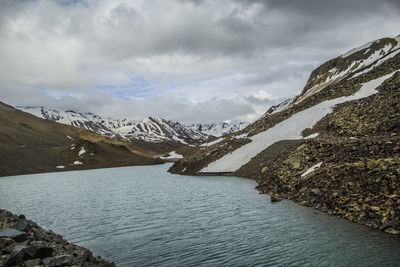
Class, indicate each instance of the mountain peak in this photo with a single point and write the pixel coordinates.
(354, 63)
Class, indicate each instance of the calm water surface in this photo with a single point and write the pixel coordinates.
(143, 216)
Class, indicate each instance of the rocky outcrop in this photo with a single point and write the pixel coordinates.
(24, 243)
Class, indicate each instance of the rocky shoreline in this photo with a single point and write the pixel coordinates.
(24, 243)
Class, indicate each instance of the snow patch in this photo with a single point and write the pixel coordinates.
(172, 155)
(289, 129)
(311, 136)
(69, 137)
(82, 151)
(310, 170)
(76, 162)
(379, 62)
(241, 136)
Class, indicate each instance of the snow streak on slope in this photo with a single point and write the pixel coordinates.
(350, 64)
(376, 64)
(149, 129)
(289, 129)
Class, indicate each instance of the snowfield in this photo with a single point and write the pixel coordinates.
(289, 129)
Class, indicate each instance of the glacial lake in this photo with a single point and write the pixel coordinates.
(144, 216)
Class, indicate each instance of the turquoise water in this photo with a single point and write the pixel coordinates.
(144, 216)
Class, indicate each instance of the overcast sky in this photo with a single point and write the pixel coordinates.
(190, 61)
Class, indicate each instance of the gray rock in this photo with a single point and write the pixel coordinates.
(5, 242)
(62, 260)
(19, 254)
(44, 252)
(21, 225)
(316, 191)
(39, 235)
(14, 234)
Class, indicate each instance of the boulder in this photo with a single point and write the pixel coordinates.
(43, 251)
(19, 254)
(14, 234)
(5, 242)
(21, 225)
(316, 191)
(275, 198)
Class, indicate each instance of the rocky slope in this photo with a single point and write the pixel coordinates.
(24, 243)
(154, 130)
(335, 147)
(31, 145)
(280, 107)
(220, 128)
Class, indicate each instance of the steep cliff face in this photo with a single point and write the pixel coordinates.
(335, 147)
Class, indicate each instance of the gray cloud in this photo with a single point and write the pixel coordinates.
(210, 60)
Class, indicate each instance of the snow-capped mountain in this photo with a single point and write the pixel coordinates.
(220, 128)
(335, 147)
(352, 76)
(149, 129)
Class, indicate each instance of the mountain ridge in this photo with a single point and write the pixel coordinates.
(335, 147)
(150, 129)
(219, 129)
(29, 144)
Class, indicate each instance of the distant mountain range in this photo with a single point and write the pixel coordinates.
(220, 128)
(153, 130)
(29, 144)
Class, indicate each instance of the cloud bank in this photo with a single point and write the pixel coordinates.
(184, 60)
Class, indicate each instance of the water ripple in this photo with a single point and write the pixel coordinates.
(143, 216)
